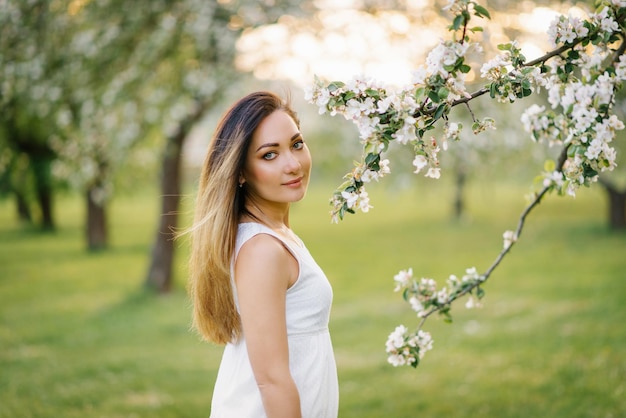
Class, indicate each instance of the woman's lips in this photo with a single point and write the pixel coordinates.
(294, 183)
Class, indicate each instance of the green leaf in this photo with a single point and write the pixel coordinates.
(432, 95)
(335, 85)
(493, 89)
(465, 68)
(373, 93)
(573, 54)
(596, 39)
(505, 47)
(370, 158)
(443, 93)
(579, 150)
(535, 136)
(445, 313)
(549, 166)
(342, 211)
(588, 171)
(480, 11)
(416, 363)
(476, 29)
(440, 111)
(459, 21)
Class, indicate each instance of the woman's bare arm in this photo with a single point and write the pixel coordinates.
(264, 270)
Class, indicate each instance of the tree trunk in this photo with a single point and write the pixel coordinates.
(97, 238)
(160, 270)
(44, 197)
(40, 157)
(617, 216)
(617, 209)
(17, 178)
(159, 275)
(617, 205)
(43, 185)
(21, 204)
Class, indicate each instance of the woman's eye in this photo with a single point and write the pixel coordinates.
(269, 155)
(299, 144)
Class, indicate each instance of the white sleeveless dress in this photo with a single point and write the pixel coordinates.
(311, 358)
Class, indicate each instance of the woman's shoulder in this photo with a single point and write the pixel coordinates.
(260, 239)
(263, 246)
(266, 254)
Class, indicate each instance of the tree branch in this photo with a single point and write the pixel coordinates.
(505, 251)
(532, 63)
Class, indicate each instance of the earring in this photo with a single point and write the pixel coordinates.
(240, 185)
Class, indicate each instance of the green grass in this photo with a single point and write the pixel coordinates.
(80, 338)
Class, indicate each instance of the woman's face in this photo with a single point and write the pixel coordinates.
(278, 163)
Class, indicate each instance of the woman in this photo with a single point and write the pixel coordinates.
(253, 283)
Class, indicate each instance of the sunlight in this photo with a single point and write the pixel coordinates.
(340, 42)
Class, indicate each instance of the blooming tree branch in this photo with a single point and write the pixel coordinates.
(581, 75)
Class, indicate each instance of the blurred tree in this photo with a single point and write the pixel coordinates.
(102, 76)
(28, 39)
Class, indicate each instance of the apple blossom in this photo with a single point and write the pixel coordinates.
(581, 77)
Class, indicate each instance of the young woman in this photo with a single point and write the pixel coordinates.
(253, 283)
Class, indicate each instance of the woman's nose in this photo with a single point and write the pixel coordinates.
(293, 163)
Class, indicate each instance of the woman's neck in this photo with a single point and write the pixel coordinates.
(275, 217)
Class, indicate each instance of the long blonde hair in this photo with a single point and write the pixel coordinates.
(219, 206)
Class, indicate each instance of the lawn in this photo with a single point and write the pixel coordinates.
(80, 338)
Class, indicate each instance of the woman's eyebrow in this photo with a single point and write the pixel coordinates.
(268, 145)
(275, 144)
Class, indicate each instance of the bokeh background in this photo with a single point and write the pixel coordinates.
(106, 108)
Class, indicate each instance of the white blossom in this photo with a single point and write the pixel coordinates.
(416, 305)
(364, 201)
(419, 162)
(403, 279)
(434, 173)
(509, 238)
(351, 198)
(607, 23)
